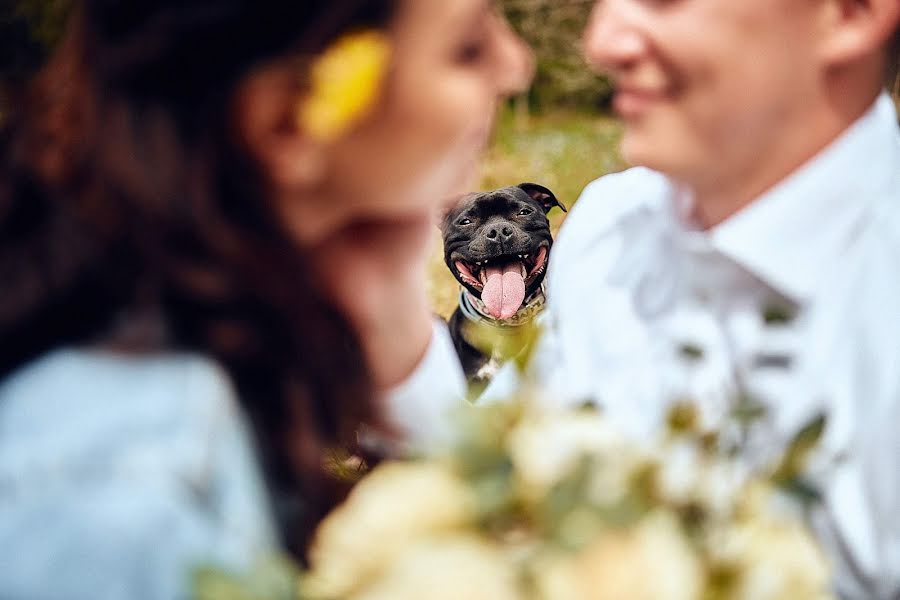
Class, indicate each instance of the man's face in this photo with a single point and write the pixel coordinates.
(705, 87)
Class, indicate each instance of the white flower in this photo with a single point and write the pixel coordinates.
(653, 561)
(394, 506)
(718, 487)
(546, 447)
(687, 474)
(679, 472)
(774, 560)
(452, 568)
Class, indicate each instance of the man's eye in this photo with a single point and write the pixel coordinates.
(525, 212)
(464, 221)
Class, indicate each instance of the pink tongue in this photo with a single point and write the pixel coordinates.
(504, 290)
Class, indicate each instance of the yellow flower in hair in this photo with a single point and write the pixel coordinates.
(345, 83)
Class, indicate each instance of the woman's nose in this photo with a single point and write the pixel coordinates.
(611, 41)
(515, 61)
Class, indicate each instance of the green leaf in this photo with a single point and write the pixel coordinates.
(793, 463)
(567, 494)
(507, 343)
(802, 491)
(748, 410)
(274, 578)
(779, 314)
(683, 418)
(691, 352)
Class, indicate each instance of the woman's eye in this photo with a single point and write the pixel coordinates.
(525, 212)
(464, 221)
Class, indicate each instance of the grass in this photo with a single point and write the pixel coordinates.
(562, 151)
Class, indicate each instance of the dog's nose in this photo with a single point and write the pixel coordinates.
(495, 232)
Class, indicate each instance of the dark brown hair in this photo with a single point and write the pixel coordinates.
(125, 199)
(893, 65)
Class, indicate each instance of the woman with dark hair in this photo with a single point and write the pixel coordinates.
(211, 270)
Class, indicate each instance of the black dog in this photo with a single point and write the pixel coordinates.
(497, 245)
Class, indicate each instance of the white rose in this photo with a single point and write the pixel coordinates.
(775, 560)
(547, 446)
(679, 472)
(718, 487)
(452, 568)
(686, 474)
(394, 506)
(653, 561)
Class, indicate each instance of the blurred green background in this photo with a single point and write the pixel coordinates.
(559, 134)
(562, 149)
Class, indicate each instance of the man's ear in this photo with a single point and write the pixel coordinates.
(265, 115)
(542, 196)
(859, 28)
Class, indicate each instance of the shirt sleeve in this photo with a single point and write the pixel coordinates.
(421, 409)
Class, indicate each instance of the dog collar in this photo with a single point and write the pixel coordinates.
(474, 310)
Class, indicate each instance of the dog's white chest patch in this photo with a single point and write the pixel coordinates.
(489, 370)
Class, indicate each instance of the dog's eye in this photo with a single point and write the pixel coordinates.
(464, 221)
(525, 212)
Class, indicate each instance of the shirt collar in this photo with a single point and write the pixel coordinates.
(788, 236)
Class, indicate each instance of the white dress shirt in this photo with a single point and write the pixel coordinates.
(794, 302)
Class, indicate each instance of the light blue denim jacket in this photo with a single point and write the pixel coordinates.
(119, 475)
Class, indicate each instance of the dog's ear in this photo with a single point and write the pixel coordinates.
(542, 196)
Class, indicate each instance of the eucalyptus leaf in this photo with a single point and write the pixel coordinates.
(798, 451)
(274, 578)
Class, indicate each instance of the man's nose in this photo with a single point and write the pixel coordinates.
(612, 41)
(515, 60)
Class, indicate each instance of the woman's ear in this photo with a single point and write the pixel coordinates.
(265, 114)
(856, 29)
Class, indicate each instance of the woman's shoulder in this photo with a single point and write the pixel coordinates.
(136, 465)
(68, 387)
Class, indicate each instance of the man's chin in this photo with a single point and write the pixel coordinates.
(654, 150)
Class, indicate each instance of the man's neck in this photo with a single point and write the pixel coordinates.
(716, 199)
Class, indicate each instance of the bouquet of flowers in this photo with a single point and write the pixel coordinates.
(538, 505)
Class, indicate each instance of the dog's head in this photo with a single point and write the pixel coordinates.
(497, 244)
